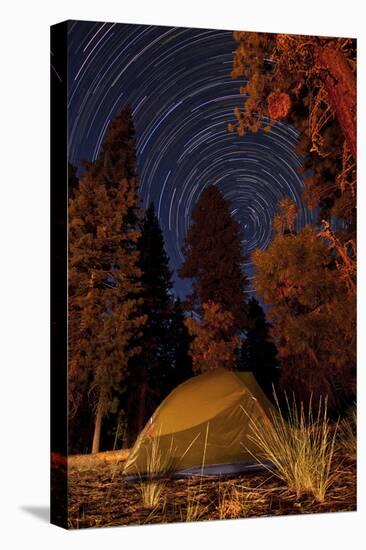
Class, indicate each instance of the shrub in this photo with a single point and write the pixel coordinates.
(299, 450)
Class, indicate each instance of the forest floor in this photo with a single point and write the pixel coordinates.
(100, 497)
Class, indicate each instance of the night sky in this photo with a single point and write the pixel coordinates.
(178, 83)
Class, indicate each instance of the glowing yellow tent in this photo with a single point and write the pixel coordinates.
(202, 426)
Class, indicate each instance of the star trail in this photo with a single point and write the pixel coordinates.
(178, 84)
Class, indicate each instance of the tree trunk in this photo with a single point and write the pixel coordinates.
(141, 411)
(340, 83)
(136, 410)
(98, 423)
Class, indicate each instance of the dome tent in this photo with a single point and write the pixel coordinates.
(202, 426)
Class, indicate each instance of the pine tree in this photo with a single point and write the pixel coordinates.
(103, 272)
(150, 369)
(312, 307)
(258, 352)
(180, 340)
(214, 258)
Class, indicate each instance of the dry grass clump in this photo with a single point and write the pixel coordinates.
(194, 510)
(348, 434)
(299, 449)
(151, 493)
(159, 464)
(153, 481)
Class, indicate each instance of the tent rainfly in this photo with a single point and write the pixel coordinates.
(202, 427)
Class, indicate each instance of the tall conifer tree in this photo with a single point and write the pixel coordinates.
(150, 367)
(163, 361)
(214, 257)
(103, 271)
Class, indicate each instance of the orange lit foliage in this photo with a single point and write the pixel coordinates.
(282, 67)
(309, 82)
(214, 343)
(312, 308)
(104, 277)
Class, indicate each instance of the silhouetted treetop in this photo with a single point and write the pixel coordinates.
(214, 257)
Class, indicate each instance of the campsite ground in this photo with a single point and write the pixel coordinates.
(99, 496)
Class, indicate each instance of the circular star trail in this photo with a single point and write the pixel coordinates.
(178, 84)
